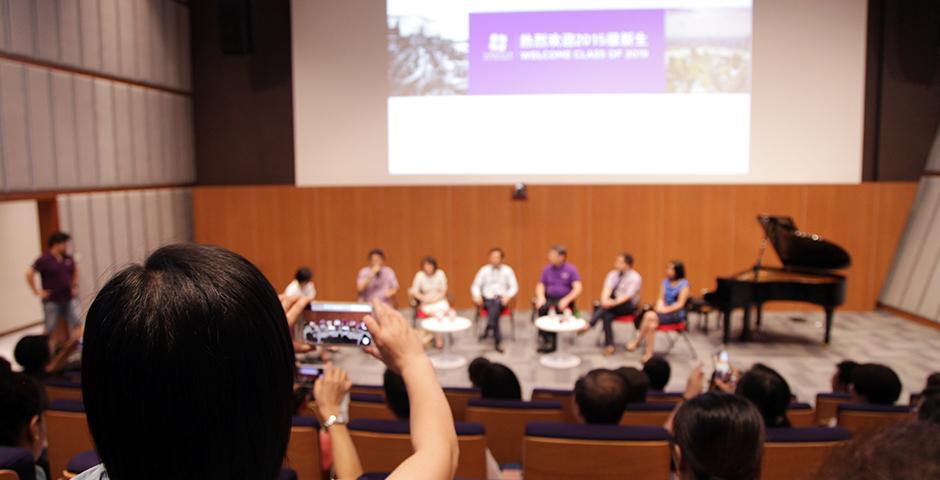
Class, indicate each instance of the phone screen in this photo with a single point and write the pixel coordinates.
(722, 366)
(337, 324)
(308, 374)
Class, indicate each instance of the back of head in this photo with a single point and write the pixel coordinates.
(475, 370)
(843, 376)
(929, 408)
(498, 382)
(396, 395)
(601, 396)
(21, 399)
(933, 380)
(657, 369)
(33, 354)
(875, 383)
(303, 275)
(908, 450)
(187, 369)
(720, 436)
(637, 384)
(769, 392)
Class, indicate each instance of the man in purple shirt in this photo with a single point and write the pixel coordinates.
(377, 280)
(59, 276)
(558, 287)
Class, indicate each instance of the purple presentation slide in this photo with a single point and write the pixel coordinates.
(592, 51)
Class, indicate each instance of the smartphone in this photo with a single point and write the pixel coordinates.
(337, 324)
(722, 366)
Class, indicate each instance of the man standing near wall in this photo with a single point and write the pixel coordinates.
(59, 277)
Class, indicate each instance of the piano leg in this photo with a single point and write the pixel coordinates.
(726, 316)
(829, 314)
(746, 330)
(760, 314)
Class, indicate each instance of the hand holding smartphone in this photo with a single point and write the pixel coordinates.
(339, 324)
(722, 363)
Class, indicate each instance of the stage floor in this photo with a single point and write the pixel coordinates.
(790, 342)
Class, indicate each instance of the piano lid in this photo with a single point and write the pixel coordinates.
(798, 249)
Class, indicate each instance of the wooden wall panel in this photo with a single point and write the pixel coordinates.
(712, 228)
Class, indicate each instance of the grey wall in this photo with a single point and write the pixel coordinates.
(113, 229)
(94, 94)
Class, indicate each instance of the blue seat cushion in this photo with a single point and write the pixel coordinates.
(865, 407)
(299, 421)
(810, 434)
(403, 427)
(469, 390)
(799, 406)
(19, 460)
(63, 382)
(650, 407)
(516, 404)
(595, 432)
(367, 397)
(834, 395)
(553, 391)
(83, 461)
(67, 405)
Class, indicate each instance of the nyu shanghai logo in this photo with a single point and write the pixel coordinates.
(498, 48)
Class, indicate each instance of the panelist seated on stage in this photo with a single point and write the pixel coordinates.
(558, 287)
(377, 280)
(429, 288)
(493, 288)
(620, 296)
(669, 309)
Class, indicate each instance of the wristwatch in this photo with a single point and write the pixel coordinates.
(333, 420)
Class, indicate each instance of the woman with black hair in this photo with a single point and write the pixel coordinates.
(498, 382)
(429, 288)
(717, 436)
(669, 308)
(22, 403)
(769, 392)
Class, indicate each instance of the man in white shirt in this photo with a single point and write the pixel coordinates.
(302, 285)
(492, 289)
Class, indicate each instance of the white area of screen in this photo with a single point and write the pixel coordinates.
(806, 103)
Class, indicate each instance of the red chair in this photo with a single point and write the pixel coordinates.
(508, 311)
(680, 329)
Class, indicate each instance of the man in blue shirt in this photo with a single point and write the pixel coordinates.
(558, 287)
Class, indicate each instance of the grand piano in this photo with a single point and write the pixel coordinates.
(805, 276)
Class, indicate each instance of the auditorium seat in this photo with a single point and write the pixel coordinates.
(827, 405)
(303, 450)
(798, 453)
(647, 414)
(857, 417)
(565, 397)
(59, 388)
(88, 459)
(369, 405)
(505, 422)
(565, 451)
(67, 433)
(367, 389)
(384, 444)
(458, 397)
(664, 397)
(16, 463)
(801, 415)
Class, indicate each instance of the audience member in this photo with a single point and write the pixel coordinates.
(669, 308)
(601, 397)
(302, 285)
(396, 394)
(58, 274)
(928, 408)
(429, 288)
(908, 450)
(843, 376)
(635, 382)
(498, 382)
(22, 403)
(377, 280)
(769, 392)
(329, 390)
(558, 287)
(933, 381)
(34, 354)
(876, 384)
(475, 370)
(493, 287)
(200, 322)
(658, 371)
(620, 296)
(718, 436)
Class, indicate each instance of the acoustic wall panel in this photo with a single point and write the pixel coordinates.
(140, 135)
(90, 31)
(110, 39)
(104, 126)
(127, 45)
(39, 125)
(62, 101)
(70, 42)
(144, 38)
(21, 26)
(123, 148)
(113, 229)
(914, 282)
(85, 131)
(47, 30)
(14, 141)
(184, 53)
